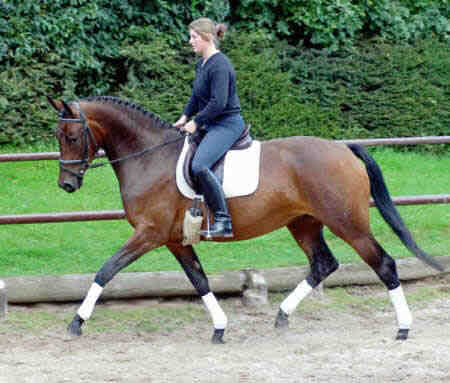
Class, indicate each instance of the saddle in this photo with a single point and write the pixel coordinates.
(243, 142)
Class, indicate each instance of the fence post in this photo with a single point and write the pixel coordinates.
(255, 292)
(3, 300)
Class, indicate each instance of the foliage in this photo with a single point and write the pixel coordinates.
(24, 113)
(159, 77)
(379, 89)
(137, 50)
(268, 96)
(408, 20)
(339, 23)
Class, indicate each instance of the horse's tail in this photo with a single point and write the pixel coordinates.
(386, 207)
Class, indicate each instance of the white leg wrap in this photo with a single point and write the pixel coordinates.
(404, 317)
(86, 309)
(292, 301)
(218, 316)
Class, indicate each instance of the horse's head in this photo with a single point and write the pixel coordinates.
(77, 144)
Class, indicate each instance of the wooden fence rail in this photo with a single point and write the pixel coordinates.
(366, 142)
(120, 214)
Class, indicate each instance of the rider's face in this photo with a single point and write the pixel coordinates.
(198, 43)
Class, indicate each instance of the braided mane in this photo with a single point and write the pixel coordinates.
(131, 107)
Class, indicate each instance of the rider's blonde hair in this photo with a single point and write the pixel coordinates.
(208, 30)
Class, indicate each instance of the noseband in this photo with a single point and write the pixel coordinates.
(89, 136)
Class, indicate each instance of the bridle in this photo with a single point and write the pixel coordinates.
(88, 138)
(86, 134)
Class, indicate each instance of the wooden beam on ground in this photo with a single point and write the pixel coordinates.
(73, 287)
(3, 300)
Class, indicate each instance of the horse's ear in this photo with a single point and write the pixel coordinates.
(55, 103)
(67, 109)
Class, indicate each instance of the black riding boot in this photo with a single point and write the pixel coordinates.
(215, 198)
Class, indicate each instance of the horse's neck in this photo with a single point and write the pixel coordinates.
(122, 139)
(120, 134)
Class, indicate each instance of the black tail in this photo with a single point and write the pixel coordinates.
(386, 207)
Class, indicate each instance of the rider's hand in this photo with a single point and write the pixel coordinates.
(181, 121)
(190, 127)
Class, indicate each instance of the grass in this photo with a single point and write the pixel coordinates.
(38, 249)
(141, 319)
(371, 298)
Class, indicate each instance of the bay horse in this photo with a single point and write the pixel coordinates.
(306, 183)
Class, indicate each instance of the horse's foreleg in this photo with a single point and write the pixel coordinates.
(308, 233)
(191, 265)
(136, 246)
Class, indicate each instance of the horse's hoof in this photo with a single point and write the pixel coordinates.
(402, 334)
(282, 320)
(217, 337)
(74, 328)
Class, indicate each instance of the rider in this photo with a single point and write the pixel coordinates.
(217, 115)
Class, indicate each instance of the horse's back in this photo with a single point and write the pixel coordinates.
(308, 146)
(313, 154)
(324, 174)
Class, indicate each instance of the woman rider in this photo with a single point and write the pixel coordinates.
(215, 111)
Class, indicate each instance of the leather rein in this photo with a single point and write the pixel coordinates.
(88, 138)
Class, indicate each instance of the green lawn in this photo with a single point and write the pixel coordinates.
(30, 187)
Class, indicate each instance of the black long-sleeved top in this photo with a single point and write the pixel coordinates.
(214, 93)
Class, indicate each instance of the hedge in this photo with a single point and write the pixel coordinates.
(375, 90)
(292, 78)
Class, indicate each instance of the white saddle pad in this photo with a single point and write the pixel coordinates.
(240, 173)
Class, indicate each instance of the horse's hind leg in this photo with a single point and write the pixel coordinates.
(384, 266)
(308, 232)
(191, 265)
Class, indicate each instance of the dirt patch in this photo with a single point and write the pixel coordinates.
(345, 336)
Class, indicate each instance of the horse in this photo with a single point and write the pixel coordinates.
(306, 183)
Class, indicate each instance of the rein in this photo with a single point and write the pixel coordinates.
(137, 154)
(87, 134)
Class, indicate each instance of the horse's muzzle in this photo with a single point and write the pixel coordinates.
(69, 186)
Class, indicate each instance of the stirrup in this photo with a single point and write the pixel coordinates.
(209, 234)
(222, 227)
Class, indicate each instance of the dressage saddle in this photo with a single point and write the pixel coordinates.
(243, 142)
